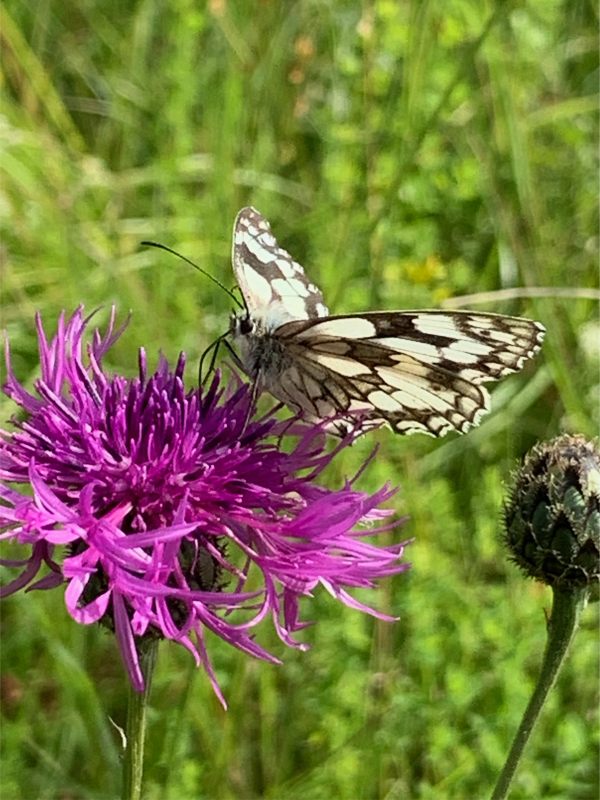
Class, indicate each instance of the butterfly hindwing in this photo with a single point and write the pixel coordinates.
(481, 347)
(418, 371)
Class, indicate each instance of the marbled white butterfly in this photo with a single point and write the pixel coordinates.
(419, 371)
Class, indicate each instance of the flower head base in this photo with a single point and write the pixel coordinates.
(170, 510)
(552, 516)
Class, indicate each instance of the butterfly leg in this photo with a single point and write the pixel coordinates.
(254, 392)
(212, 349)
(285, 428)
(236, 359)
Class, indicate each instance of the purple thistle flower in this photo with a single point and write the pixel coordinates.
(164, 511)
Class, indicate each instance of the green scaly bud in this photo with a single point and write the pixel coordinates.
(552, 515)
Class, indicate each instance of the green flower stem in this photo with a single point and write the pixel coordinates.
(566, 609)
(137, 703)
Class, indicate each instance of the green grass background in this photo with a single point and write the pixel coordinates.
(407, 153)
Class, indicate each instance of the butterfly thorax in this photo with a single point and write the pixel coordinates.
(262, 355)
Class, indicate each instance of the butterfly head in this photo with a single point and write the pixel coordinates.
(259, 322)
(241, 325)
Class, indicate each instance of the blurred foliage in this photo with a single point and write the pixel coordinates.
(406, 153)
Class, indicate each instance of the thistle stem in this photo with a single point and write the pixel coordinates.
(137, 704)
(562, 626)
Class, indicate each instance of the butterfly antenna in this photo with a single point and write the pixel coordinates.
(195, 266)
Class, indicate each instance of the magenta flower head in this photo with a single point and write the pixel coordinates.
(166, 512)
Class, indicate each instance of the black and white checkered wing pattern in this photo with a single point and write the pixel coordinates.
(272, 283)
(418, 371)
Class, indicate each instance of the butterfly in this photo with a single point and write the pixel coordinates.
(417, 371)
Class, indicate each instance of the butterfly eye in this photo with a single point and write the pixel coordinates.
(246, 326)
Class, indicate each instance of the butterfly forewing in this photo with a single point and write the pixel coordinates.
(268, 276)
(418, 371)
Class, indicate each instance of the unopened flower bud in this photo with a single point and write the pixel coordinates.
(552, 515)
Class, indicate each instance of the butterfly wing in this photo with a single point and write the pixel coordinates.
(274, 286)
(419, 371)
